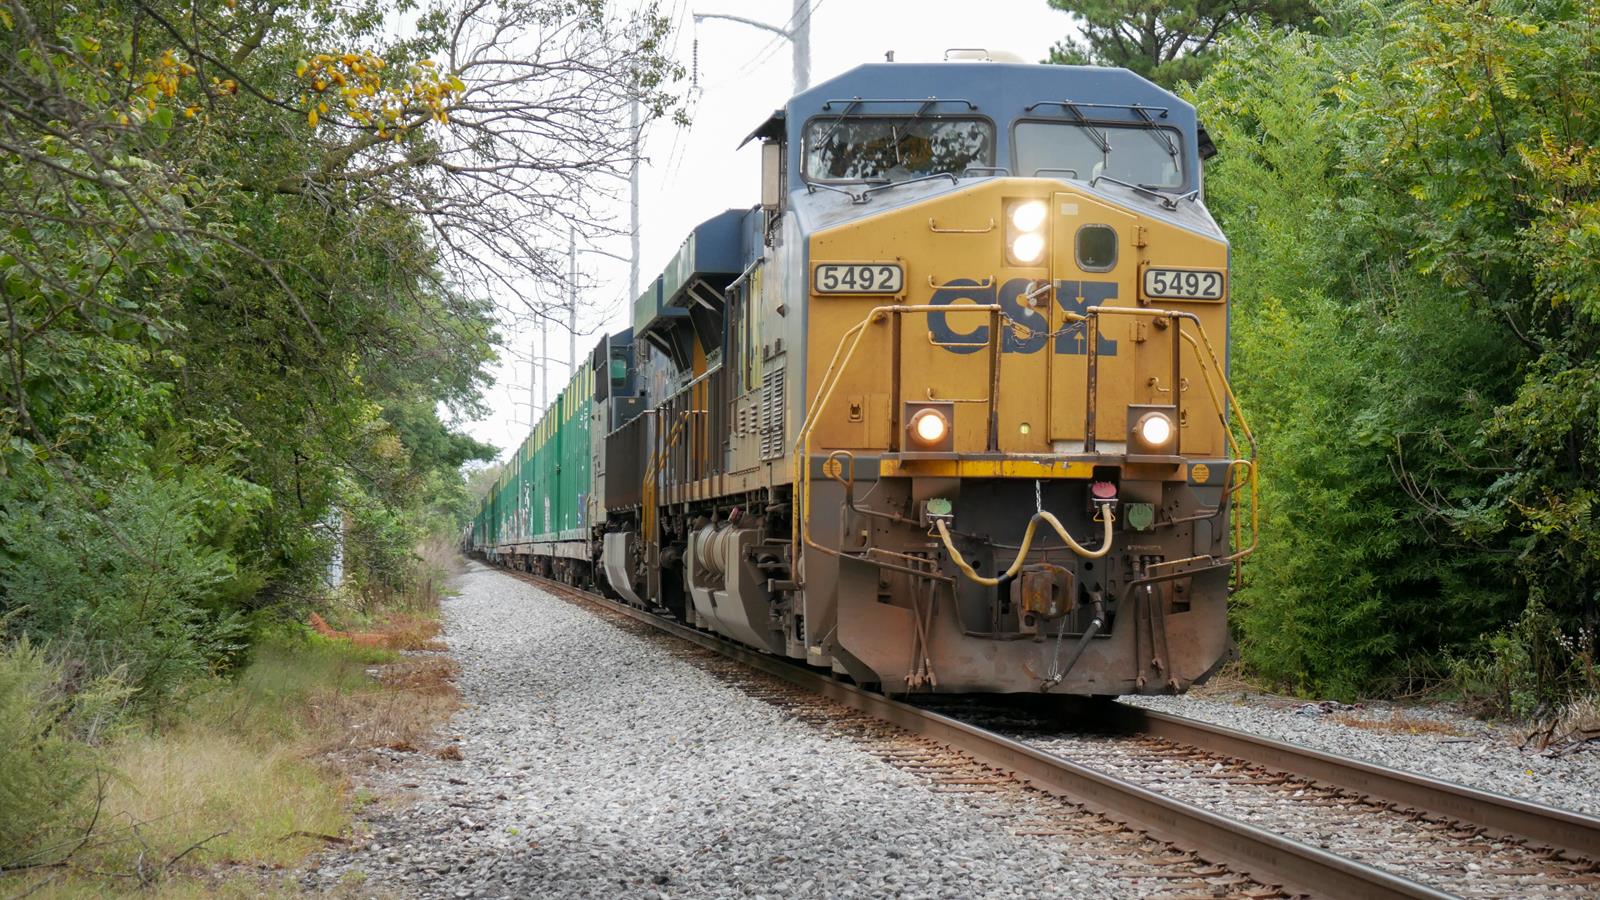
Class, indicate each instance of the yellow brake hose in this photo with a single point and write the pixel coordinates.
(1027, 540)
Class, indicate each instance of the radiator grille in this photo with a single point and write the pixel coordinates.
(772, 395)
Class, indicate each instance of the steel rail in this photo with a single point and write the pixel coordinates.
(1548, 826)
(1264, 856)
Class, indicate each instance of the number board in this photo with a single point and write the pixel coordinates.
(1183, 284)
(858, 278)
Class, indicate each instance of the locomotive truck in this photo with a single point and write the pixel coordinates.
(946, 411)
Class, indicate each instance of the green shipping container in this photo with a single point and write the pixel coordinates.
(544, 492)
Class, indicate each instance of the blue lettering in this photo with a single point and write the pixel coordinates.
(1031, 337)
(1077, 297)
(939, 323)
(1071, 296)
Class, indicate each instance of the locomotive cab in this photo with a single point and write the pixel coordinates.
(1017, 458)
(946, 410)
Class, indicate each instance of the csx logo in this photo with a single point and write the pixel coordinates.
(1071, 296)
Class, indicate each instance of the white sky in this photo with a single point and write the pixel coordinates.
(694, 173)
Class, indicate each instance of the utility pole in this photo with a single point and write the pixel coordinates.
(798, 34)
(572, 299)
(633, 205)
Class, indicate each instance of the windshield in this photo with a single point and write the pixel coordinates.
(895, 149)
(1147, 156)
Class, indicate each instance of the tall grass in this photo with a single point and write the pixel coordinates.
(243, 778)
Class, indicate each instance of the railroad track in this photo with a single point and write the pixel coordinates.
(1401, 834)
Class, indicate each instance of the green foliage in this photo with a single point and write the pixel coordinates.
(1518, 670)
(1416, 334)
(223, 329)
(46, 803)
(1167, 43)
(150, 609)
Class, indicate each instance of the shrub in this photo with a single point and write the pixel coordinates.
(123, 583)
(45, 809)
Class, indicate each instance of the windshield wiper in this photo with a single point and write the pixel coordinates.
(1157, 132)
(900, 131)
(845, 114)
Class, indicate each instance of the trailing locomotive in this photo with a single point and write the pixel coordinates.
(943, 412)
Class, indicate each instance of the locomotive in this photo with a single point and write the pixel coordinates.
(947, 411)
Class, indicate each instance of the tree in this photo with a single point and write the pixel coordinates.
(1165, 42)
(1412, 205)
(252, 260)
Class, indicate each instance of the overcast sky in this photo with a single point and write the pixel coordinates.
(694, 173)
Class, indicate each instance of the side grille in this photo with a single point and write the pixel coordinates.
(772, 394)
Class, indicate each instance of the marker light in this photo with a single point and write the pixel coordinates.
(1028, 216)
(1155, 429)
(929, 427)
(1028, 249)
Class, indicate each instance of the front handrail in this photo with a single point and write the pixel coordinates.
(1243, 471)
(1217, 388)
(800, 529)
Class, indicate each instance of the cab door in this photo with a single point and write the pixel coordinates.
(1094, 261)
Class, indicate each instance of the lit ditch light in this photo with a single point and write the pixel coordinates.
(1152, 430)
(930, 427)
(1025, 232)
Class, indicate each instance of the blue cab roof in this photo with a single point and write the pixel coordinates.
(1000, 92)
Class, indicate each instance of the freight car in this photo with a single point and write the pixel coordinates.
(946, 411)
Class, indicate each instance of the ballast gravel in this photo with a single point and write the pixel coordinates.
(1426, 740)
(595, 763)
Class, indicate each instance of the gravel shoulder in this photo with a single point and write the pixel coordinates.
(594, 763)
(1424, 739)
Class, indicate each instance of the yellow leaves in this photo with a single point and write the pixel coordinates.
(371, 101)
(157, 79)
(311, 117)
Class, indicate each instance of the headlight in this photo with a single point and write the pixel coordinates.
(1155, 429)
(929, 426)
(1027, 249)
(1029, 215)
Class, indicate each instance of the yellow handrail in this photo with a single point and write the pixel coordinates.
(648, 489)
(800, 530)
(1212, 375)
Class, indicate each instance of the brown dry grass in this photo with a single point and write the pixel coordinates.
(1581, 718)
(1230, 679)
(399, 631)
(257, 773)
(417, 694)
(1398, 722)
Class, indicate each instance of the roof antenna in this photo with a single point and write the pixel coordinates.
(888, 56)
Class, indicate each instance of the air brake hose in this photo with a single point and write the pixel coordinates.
(1027, 539)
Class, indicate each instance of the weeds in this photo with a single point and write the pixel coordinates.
(252, 776)
(1398, 722)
